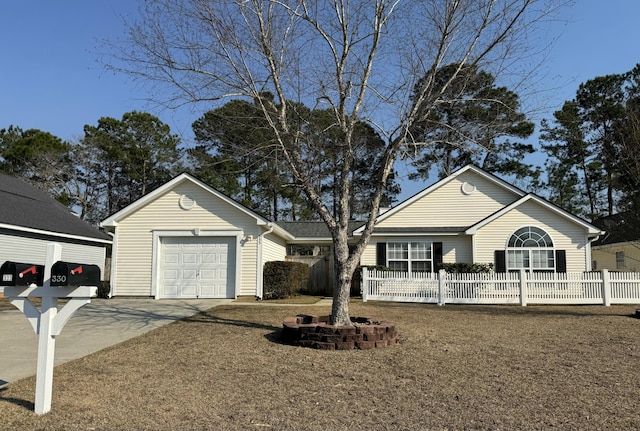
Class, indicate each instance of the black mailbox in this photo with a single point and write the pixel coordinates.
(74, 274)
(21, 274)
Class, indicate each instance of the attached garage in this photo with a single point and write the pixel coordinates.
(197, 267)
(186, 240)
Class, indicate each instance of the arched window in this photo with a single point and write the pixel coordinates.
(530, 248)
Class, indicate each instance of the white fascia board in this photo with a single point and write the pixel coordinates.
(310, 239)
(277, 230)
(616, 245)
(113, 220)
(592, 230)
(54, 234)
(441, 183)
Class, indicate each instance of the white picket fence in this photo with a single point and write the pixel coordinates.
(522, 287)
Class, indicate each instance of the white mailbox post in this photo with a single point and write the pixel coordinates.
(48, 321)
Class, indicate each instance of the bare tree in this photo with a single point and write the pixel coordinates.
(360, 58)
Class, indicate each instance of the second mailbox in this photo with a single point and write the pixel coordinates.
(74, 274)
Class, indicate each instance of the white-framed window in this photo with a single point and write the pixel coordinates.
(412, 256)
(530, 248)
(620, 261)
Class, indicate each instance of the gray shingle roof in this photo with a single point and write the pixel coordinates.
(24, 206)
(312, 229)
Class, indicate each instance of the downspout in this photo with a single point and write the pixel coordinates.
(112, 274)
(588, 254)
(260, 268)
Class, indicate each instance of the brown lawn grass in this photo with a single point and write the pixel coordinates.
(457, 367)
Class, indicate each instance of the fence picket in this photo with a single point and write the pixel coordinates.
(502, 288)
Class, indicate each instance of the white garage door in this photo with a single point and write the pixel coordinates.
(202, 267)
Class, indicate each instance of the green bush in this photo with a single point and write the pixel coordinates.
(465, 267)
(283, 279)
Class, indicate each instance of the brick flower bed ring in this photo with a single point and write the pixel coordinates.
(316, 332)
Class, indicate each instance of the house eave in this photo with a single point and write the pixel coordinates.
(54, 234)
(113, 219)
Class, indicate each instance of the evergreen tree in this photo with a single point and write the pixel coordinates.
(472, 124)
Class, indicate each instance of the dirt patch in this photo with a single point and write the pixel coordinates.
(456, 368)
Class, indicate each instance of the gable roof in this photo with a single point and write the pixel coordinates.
(521, 196)
(113, 220)
(469, 168)
(591, 229)
(24, 208)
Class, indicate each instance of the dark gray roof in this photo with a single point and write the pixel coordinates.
(623, 227)
(24, 206)
(317, 229)
(312, 229)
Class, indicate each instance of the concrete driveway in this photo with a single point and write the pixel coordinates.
(100, 324)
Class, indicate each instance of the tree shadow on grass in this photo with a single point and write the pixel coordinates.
(29, 405)
(210, 316)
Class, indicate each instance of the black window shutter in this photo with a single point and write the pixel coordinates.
(381, 254)
(561, 261)
(500, 261)
(437, 256)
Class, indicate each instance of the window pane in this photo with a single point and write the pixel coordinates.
(397, 250)
(517, 259)
(620, 261)
(421, 266)
(530, 236)
(420, 250)
(542, 259)
(399, 266)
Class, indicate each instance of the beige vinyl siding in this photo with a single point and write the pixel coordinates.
(605, 256)
(454, 248)
(565, 234)
(274, 248)
(17, 248)
(135, 236)
(448, 206)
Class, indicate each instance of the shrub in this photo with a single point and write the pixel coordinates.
(283, 279)
(465, 267)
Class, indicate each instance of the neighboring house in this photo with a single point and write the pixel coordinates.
(187, 240)
(30, 219)
(619, 248)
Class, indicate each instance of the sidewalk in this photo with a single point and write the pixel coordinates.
(100, 324)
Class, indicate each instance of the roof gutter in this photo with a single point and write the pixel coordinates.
(54, 234)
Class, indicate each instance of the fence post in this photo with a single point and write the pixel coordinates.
(442, 278)
(606, 287)
(365, 284)
(523, 288)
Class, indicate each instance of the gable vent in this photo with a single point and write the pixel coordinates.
(187, 202)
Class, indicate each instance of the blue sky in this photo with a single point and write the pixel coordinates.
(50, 78)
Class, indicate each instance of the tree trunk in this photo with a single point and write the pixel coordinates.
(342, 288)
